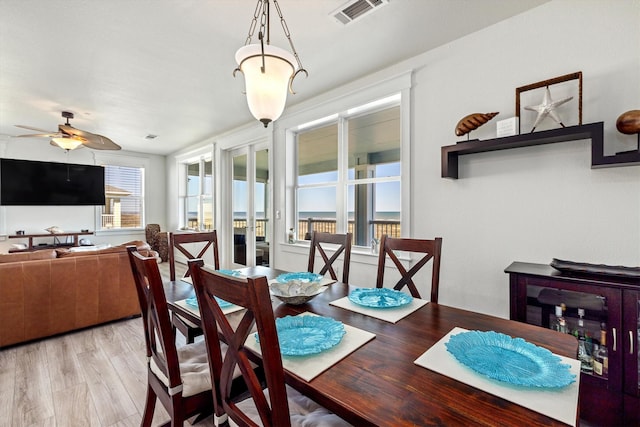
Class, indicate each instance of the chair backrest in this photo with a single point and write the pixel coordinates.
(178, 240)
(159, 335)
(252, 294)
(431, 249)
(344, 242)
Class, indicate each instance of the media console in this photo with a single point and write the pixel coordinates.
(56, 241)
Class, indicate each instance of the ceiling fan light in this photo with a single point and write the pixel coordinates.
(67, 143)
(266, 89)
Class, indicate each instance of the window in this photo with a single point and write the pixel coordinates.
(198, 195)
(124, 198)
(348, 173)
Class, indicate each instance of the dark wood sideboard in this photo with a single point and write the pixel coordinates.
(57, 242)
(612, 301)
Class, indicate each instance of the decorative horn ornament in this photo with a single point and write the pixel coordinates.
(473, 121)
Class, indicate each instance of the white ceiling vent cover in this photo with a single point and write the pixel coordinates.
(355, 9)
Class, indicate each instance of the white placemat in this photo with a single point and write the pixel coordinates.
(391, 314)
(227, 310)
(560, 404)
(309, 367)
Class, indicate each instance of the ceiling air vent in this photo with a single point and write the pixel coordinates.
(356, 9)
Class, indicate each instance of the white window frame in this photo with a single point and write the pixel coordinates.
(325, 112)
(343, 182)
(123, 161)
(202, 155)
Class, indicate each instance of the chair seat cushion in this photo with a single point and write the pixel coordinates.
(303, 411)
(194, 369)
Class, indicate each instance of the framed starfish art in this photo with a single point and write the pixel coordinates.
(551, 103)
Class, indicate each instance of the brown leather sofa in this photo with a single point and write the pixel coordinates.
(48, 292)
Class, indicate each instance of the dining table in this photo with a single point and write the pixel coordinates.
(380, 384)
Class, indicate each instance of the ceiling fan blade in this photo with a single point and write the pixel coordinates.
(93, 140)
(36, 129)
(99, 142)
(39, 135)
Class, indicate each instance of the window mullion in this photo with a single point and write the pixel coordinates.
(342, 219)
(202, 173)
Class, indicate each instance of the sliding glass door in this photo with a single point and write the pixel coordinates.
(251, 205)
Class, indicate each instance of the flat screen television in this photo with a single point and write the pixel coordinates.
(33, 183)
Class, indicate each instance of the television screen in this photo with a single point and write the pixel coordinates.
(32, 183)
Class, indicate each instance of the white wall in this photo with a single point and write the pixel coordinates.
(34, 219)
(529, 204)
(535, 203)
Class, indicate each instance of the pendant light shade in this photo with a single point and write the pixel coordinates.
(266, 88)
(268, 70)
(67, 143)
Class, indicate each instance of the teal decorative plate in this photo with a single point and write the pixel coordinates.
(303, 277)
(304, 335)
(379, 297)
(193, 302)
(510, 360)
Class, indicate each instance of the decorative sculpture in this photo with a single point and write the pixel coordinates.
(629, 122)
(548, 108)
(473, 121)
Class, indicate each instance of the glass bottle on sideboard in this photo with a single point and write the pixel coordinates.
(601, 356)
(585, 344)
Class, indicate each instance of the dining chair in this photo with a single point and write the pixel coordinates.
(431, 248)
(177, 242)
(178, 377)
(278, 404)
(344, 242)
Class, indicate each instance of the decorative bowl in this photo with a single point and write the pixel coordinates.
(297, 288)
(296, 293)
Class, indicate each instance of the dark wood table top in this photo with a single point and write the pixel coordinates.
(379, 384)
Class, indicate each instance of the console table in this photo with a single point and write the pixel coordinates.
(31, 247)
(608, 300)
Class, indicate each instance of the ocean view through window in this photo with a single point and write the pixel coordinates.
(348, 175)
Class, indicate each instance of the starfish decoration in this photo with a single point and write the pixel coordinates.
(547, 108)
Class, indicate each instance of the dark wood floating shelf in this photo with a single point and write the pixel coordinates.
(593, 131)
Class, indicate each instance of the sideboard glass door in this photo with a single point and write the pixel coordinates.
(584, 315)
(591, 314)
(631, 336)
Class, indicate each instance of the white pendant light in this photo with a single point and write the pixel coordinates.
(268, 70)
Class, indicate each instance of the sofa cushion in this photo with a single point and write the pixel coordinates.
(28, 256)
(139, 244)
(142, 247)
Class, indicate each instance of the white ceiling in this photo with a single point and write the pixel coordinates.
(129, 68)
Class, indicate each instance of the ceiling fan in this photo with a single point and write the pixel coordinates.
(70, 138)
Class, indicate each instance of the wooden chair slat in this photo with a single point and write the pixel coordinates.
(344, 242)
(432, 250)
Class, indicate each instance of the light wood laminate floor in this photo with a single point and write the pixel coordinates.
(93, 377)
